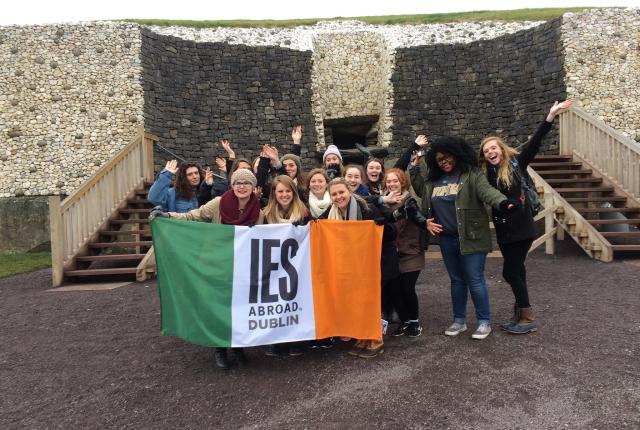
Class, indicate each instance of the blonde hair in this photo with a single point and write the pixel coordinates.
(273, 211)
(341, 181)
(505, 168)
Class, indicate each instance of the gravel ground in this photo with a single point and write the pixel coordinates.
(95, 359)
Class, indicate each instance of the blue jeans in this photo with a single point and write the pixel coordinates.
(467, 274)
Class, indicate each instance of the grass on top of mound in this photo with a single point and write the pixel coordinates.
(20, 262)
(544, 14)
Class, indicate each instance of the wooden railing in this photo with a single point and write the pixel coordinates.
(74, 220)
(614, 154)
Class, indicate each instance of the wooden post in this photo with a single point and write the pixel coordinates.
(56, 230)
(147, 156)
(549, 245)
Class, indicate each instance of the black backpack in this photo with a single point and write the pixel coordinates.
(528, 189)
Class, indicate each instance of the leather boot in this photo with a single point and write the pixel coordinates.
(221, 358)
(239, 354)
(515, 318)
(525, 324)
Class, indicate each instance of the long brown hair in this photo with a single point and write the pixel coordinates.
(505, 168)
(184, 190)
(273, 212)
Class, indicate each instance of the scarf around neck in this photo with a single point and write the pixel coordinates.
(230, 213)
(354, 213)
(318, 206)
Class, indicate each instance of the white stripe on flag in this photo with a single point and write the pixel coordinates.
(263, 313)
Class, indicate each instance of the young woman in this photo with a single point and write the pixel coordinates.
(354, 175)
(374, 170)
(506, 169)
(319, 199)
(284, 207)
(183, 197)
(345, 205)
(453, 199)
(238, 206)
(411, 243)
(332, 162)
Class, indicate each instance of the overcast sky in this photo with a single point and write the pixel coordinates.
(53, 11)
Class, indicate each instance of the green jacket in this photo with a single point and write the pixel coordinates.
(473, 220)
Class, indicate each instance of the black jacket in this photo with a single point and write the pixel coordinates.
(518, 225)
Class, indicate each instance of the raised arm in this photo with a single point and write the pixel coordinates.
(421, 144)
(158, 193)
(532, 147)
(296, 137)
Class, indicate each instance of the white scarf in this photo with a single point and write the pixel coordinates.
(317, 206)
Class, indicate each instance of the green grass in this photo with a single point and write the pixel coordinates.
(14, 263)
(484, 15)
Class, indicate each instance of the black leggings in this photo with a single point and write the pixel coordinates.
(513, 270)
(405, 298)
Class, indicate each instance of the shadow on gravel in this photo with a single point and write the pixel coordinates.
(95, 359)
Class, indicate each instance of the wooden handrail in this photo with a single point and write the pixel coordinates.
(613, 153)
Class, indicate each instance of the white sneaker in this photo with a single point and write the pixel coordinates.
(455, 329)
(482, 331)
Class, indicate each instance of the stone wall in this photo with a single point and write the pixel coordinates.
(24, 224)
(602, 62)
(198, 93)
(351, 72)
(504, 85)
(70, 98)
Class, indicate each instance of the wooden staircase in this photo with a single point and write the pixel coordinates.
(600, 215)
(121, 244)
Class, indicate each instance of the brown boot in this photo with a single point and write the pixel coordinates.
(358, 347)
(526, 316)
(525, 324)
(374, 348)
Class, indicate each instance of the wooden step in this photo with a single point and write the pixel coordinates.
(605, 210)
(613, 221)
(124, 232)
(630, 234)
(130, 221)
(625, 247)
(585, 190)
(544, 173)
(135, 211)
(574, 181)
(595, 199)
(120, 244)
(139, 202)
(96, 272)
(547, 157)
(111, 257)
(555, 164)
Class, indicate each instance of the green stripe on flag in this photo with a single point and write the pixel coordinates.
(195, 279)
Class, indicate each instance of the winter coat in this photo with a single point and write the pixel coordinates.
(517, 225)
(473, 221)
(162, 194)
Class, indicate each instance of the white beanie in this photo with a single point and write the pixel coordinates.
(244, 175)
(332, 149)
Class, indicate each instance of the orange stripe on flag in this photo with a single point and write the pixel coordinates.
(345, 273)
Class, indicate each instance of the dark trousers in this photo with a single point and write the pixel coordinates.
(404, 296)
(386, 303)
(514, 271)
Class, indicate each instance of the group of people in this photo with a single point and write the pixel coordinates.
(447, 200)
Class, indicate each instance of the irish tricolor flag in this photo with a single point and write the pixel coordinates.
(235, 286)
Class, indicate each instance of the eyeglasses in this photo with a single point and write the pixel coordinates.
(241, 184)
(444, 159)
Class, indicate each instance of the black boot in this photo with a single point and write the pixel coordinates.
(221, 358)
(239, 354)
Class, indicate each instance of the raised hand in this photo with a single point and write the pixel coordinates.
(258, 192)
(392, 198)
(208, 176)
(557, 107)
(296, 134)
(221, 163)
(433, 228)
(171, 166)
(422, 140)
(271, 152)
(227, 147)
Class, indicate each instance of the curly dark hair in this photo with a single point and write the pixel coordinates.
(464, 155)
(184, 190)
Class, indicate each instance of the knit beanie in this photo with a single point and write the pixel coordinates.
(331, 149)
(295, 159)
(244, 175)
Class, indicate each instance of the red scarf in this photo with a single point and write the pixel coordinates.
(229, 213)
